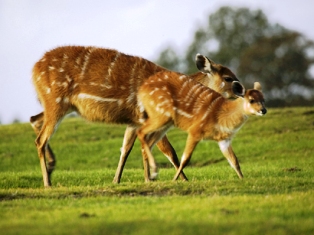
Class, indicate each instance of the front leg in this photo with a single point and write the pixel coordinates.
(166, 148)
(189, 148)
(226, 149)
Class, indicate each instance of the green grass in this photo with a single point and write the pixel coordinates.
(276, 153)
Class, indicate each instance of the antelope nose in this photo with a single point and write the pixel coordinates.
(264, 111)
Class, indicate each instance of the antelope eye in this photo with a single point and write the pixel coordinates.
(252, 101)
(228, 79)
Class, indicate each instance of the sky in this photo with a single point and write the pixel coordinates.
(29, 28)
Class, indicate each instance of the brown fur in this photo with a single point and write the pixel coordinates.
(172, 99)
(101, 85)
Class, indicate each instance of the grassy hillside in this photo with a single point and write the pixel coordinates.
(281, 135)
(276, 153)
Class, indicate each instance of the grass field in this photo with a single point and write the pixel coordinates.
(276, 196)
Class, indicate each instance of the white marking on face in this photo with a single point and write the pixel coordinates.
(222, 85)
(95, 98)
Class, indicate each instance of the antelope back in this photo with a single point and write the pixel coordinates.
(176, 97)
(102, 84)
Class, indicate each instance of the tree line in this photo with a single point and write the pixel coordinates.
(282, 60)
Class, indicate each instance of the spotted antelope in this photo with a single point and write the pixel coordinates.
(171, 99)
(101, 85)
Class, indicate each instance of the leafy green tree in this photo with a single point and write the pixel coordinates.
(255, 50)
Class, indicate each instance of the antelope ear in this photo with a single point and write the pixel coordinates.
(238, 89)
(203, 63)
(257, 86)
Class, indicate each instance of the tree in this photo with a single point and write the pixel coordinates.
(255, 50)
(281, 62)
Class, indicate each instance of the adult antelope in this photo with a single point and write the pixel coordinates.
(172, 99)
(101, 85)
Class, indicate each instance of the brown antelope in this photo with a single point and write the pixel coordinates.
(172, 99)
(102, 85)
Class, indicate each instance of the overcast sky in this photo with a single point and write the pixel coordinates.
(28, 28)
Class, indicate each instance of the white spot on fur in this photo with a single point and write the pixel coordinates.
(120, 102)
(51, 68)
(48, 90)
(58, 100)
(67, 77)
(182, 77)
(66, 100)
(153, 91)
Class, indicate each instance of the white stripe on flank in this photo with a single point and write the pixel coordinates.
(95, 98)
(185, 114)
(210, 108)
(86, 60)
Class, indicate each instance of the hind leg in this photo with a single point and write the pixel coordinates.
(50, 124)
(37, 123)
(148, 136)
(166, 148)
(128, 142)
